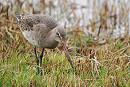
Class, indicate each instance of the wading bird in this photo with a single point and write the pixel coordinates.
(42, 31)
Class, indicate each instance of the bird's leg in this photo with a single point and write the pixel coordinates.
(41, 56)
(37, 60)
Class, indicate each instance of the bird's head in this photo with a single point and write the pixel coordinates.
(60, 37)
(60, 34)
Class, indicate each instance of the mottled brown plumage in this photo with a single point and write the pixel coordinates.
(41, 31)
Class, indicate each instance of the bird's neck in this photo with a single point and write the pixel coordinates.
(52, 34)
(50, 40)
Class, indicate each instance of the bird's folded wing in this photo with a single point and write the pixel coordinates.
(40, 30)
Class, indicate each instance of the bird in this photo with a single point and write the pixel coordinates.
(42, 31)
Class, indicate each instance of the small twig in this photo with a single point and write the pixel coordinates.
(9, 33)
(95, 61)
(92, 67)
(99, 30)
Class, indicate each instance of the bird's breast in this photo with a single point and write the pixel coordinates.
(52, 45)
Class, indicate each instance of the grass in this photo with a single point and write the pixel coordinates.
(104, 69)
(96, 64)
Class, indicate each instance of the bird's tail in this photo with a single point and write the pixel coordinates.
(17, 16)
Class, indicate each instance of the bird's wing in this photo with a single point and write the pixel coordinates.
(28, 21)
(49, 21)
(40, 32)
(41, 29)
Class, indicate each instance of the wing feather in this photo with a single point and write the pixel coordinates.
(28, 21)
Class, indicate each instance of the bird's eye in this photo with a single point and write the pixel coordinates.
(58, 34)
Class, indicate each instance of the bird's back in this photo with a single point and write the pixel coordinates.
(35, 27)
(27, 22)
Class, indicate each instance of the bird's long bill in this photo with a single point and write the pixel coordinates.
(67, 54)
